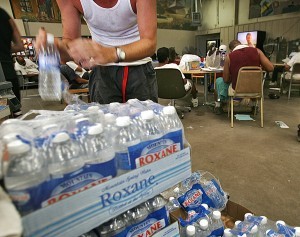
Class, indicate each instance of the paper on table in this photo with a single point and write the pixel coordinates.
(244, 117)
(286, 60)
(281, 124)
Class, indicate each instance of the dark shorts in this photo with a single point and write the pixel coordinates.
(105, 84)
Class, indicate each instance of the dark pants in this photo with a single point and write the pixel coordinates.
(105, 84)
(277, 70)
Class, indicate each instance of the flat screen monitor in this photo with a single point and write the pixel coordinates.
(254, 38)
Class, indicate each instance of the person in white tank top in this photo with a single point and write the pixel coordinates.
(123, 39)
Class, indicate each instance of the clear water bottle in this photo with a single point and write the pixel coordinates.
(173, 204)
(110, 128)
(190, 231)
(217, 226)
(151, 127)
(126, 137)
(227, 233)
(155, 203)
(100, 156)
(253, 232)
(171, 119)
(25, 177)
(140, 213)
(64, 156)
(203, 230)
(91, 233)
(95, 114)
(50, 86)
(113, 227)
(297, 231)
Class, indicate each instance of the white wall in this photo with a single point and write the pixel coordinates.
(5, 4)
(175, 38)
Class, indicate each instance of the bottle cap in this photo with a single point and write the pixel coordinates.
(109, 118)
(176, 190)
(203, 224)
(205, 206)
(10, 137)
(217, 215)
(123, 121)
(96, 129)
(246, 215)
(254, 229)
(168, 110)
(147, 115)
(80, 120)
(297, 231)
(50, 38)
(264, 220)
(93, 108)
(227, 232)
(280, 222)
(61, 137)
(190, 230)
(17, 147)
(236, 223)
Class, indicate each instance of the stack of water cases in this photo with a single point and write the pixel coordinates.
(58, 155)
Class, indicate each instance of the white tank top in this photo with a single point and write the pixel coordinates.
(114, 26)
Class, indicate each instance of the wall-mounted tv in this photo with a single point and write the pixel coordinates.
(254, 38)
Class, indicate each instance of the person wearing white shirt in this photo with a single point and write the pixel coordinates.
(27, 68)
(163, 59)
(78, 70)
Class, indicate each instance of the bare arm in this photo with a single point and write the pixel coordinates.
(81, 80)
(226, 73)
(17, 44)
(265, 62)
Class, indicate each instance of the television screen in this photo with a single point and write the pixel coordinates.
(248, 38)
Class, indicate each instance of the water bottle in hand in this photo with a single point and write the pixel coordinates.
(50, 86)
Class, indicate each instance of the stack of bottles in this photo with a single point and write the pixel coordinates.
(202, 198)
(59, 154)
(260, 226)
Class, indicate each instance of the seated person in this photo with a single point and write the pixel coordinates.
(75, 81)
(163, 59)
(288, 67)
(27, 68)
(173, 57)
(79, 70)
(240, 56)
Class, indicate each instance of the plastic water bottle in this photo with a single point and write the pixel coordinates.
(50, 86)
(95, 114)
(155, 203)
(253, 231)
(140, 213)
(151, 127)
(25, 177)
(227, 233)
(217, 226)
(100, 157)
(203, 230)
(171, 119)
(126, 137)
(173, 204)
(112, 227)
(190, 231)
(64, 156)
(297, 231)
(110, 128)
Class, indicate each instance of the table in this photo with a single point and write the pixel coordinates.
(204, 71)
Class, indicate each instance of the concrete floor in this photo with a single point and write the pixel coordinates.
(258, 167)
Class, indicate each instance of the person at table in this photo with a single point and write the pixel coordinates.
(163, 60)
(27, 68)
(74, 80)
(239, 56)
(124, 35)
(249, 40)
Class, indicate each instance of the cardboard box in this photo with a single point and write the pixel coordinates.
(86, 210)
(230, 214)
(4, 109)
(194, 65)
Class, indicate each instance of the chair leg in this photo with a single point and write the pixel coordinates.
(290, 87)
(231, 111)
(261, 112)
(228, 108)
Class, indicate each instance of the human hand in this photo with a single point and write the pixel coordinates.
(88, 53)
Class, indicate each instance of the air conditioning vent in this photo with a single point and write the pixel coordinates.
(196, 18)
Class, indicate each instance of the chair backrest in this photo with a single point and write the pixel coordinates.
(250, 80)
(296, 70)
(170, 83)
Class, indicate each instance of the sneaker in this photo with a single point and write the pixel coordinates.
(195, 102)
(218, 110)
(17, 114)
(273, 83)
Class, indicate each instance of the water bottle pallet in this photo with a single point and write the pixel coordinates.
(86, 210)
